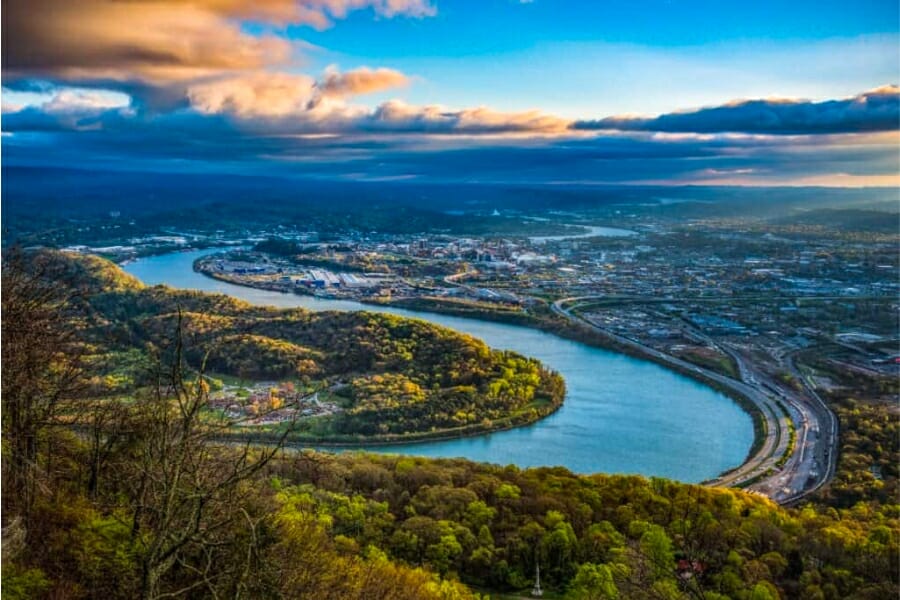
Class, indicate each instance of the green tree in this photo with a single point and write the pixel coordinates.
(657, 547)
(592, 582)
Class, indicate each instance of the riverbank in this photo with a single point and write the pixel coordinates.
(543, 318)
(531, 417)
(546, 320)
(771, 447)
(620, 415)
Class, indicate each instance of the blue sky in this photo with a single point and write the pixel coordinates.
(582, 59)
(583, 79)
(465, 28)
(410, 80)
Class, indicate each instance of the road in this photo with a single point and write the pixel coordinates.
(815, 426)
(822, 446)
(775, 441)
(814, 457)
(803, 467)
(803, 471)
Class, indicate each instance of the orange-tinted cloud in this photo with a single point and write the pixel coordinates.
(151, 42)
(360, 81)
(254, 95)
(267, 95)
(292, 103)
(835, 180)
(400, 116)
(317, 13)
(158, 42)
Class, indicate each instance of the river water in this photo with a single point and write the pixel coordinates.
(621, 414)
(592, 231)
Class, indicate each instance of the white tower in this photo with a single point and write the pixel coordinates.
(537, 591)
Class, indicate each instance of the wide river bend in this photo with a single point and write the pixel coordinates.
(621, 414)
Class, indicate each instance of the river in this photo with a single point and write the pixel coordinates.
(592, 231)
(621, 414)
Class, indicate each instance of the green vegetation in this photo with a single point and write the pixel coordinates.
(629, 536)
(407, 378)
(868, 467)
(139, 500)
(541, 317)
(792, 438)
(717, 362)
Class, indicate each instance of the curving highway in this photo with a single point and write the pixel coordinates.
(776, 470)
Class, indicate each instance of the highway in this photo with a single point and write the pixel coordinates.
(822, 445)
(803, 471)
(810, 463)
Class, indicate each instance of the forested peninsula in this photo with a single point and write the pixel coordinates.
(362, 377)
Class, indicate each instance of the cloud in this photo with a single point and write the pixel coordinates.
(317, 13)
(74, 100)
(400, 116)
(291, 102)
(278, 123)
(265, 96)
(272, 103)
(187, 141)
(875, 110)
(286, 103)
(96, 40)
(163, 42)
(360, 81)
(255, 95)
(60, 109)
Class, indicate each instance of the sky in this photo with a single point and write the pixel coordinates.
(668, 92)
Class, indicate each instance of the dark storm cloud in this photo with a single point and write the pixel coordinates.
(617, 160)
(876, 110)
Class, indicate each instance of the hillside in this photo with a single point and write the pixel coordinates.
(135, 496)
(388, 378)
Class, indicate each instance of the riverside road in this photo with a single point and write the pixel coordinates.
(776, 470)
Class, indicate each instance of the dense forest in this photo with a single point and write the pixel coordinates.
(403, 377)
(139, 499)
(868, 465)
